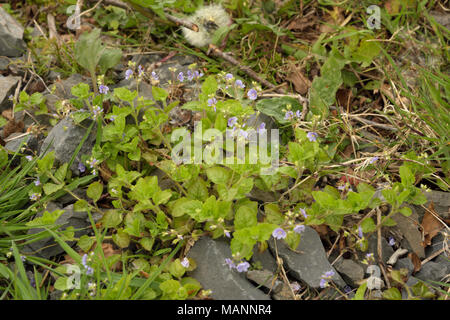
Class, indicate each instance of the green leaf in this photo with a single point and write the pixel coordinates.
(209, 86)
(50, 188)
(125, 94)
(111, 218)
(392, 294)
(109, 59)
(359, 295)
(368, 225)
(161, 197)
(390, 196)
(62, 284)
(406, 211)
(47, 218)
(407, 176)
(159, 94)
(121, 238)
(245, 217)
(176, 269)
(88, 50)
(95, 191)
(85, 243)
(81, 90)
(218, 175)
(274, 107)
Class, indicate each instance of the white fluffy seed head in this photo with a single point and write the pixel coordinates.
(208, 19)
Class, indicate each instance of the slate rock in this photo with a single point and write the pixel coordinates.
(214, 274)
(4, 62)
(405, 263)
(386, 249)
(7, 87)
(350, 271)
(265, 279)
(311, 263)
(63, 87)
(438, 243)
(11, 36)
(69, 218)
(16, 140)
(408, 226)
(441, 202)
(434, 271)
(265, 259)
(410, 283)
(66, 136)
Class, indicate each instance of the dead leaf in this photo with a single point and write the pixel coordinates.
(300, 82)
(11, 127)
(415, 261)
(106, 173)
(430, 225)
(322, 230)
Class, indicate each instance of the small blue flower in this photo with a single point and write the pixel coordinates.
(323, 283)
(34, 196)
(37, 182)
(112, 117)
(299, 228)
(295, 286)
(81, 167)
(185, 263)
(154, 76)
(103, 89)
(242, 267)
(128, 74)
(140, 70)
(239, 84)
(312, 136)
(29, 158)
(243, 133)
(298, 114)
(279, 233)
(212, 102)
(96, 110)
(288, 115)
(252, 94)
(373, 160)
(232, 121)
(227, 234)
(229, 77)
(262, 127)
(230, 263)
(303, 212)
(360, 232)
(329, 274)
(391, 241)
(180, 77)
(190, 75)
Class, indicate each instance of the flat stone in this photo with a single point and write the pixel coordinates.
(441, 202)
(441, 18)
(63, 87)
(15, 142)
(265, 279)
(4, 62)
(434, 271)
(405, 263)
(438, 243)
(408, 226)
(66, 136)
(214, 274)
(11, 36)
(69, 218)
(7, 87)
(350, 271)
(310, 262)
(386, 249)
(265, 259)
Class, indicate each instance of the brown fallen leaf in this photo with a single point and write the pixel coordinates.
(12, 126)
(300, 82)
(415, 261)
(430, 225)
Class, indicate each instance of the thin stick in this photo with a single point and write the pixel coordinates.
(219, 53)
